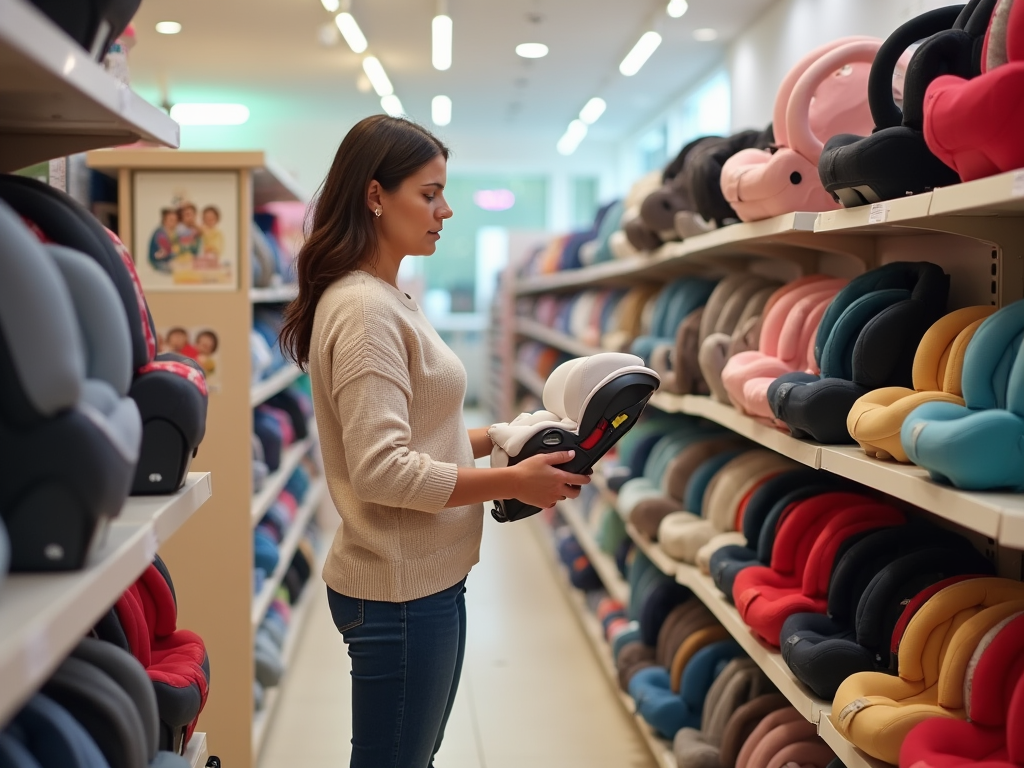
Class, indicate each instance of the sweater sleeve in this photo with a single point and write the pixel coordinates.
(372, 396)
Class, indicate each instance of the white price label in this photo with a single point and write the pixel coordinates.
(152, 544)
(37, 654)
(879, 213)
(1017, 190)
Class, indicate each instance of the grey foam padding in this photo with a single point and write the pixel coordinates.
(14, 754)
(36, 311)
(101, 317)
(54, 737)
(104, 709)
(125, 670)
(119, 419)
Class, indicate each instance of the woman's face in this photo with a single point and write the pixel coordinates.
(413, 215)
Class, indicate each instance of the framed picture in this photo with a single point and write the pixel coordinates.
(202, 344)
(186, 230)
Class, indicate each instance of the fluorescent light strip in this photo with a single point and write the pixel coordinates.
(168, 27)
(330, 5)
(349, 28)
(441, 110)
(532, 50)
(574, 134)
(677, 8)
(392, 105)
(442, 39)
(636, 58)
(593, 110)
(209, 114)
(378, 77)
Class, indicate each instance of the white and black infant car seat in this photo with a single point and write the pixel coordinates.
(590, 402)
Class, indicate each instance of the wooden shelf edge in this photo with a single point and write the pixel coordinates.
(851, 756)
(276, 482)
(660, 749)
(654, 553)
(197, 752)
(286, 551)
(274, 294)
(278, 382)
(603, 563)
(43, 615)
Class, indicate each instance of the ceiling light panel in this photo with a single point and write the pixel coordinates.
(593, 110)
(441, 28)
(349, 28)
(677, 8)
(392, 105)
(642, 51)
(331, 6)
(574, 134)
(378, 77)
(441, 110)
(168, 27)
(209, 114)
(532, 50)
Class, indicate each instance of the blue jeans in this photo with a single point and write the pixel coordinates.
(406, 664)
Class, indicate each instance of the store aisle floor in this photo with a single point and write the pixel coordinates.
(532, 692)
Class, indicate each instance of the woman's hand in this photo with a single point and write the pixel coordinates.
(539, 483)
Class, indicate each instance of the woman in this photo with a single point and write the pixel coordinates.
(388, 395)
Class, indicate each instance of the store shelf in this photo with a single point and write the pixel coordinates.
(276, 294)
(301, 611)
(261, 602)
(272, 184)
(609, 273)
(55, 100)
(530, 379)
(872, 219)
(851, 756)
(660, 749)
(43, 615)
(275, 483)
(787, 229)
(802, 451)
(994, 196)
(279, 382)
(197, 752)
(655, 554)
(540, 332)
(603, 563)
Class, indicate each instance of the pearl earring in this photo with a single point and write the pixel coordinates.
(378, 212)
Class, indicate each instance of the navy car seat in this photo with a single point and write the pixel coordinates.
(169, 389)
(894, 160)
(69, 435)
(590, 403)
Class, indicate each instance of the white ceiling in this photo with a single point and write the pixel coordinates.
(266, 54)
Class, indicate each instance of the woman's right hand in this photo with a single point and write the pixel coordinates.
(540, 483)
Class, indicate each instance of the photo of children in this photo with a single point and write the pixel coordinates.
(200, 344)
(179, 228)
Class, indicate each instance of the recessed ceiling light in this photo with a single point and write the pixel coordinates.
(636, 58)
(331, 6)
(677, 8)
(392, 105)
(209, 114)
(532, 50)
(574, 134)
(327, 35)
(378, 77)
(705, 35)
(441, 110)
(349, 28)
(593, 110)
(441, 28)
(168, 27)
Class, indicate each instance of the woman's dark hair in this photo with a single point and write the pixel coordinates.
(340, 230)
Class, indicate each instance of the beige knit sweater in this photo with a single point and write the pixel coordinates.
(388, 396)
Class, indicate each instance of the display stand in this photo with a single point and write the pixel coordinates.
(217, 598)
(975, 231)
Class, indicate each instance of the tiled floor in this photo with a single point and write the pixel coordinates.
(532, 693)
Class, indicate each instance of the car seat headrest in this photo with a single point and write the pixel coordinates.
(939, 361)
(990, 358)
(995, 669)
(54, 737)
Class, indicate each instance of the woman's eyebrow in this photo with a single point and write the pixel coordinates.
(437, 184)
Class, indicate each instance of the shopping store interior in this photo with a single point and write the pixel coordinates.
(759, 263)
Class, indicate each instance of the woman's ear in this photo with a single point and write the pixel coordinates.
(373, 196)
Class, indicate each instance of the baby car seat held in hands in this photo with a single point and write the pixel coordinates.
(169, 389)
(894, 160)
(867, 339)
(590, 403)
(876, 418)
(760, 184)
(978, 446)
(69, 435)
(975, 125)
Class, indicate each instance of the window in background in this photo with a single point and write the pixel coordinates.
(653, 148)
(584, 200)
(704, 112)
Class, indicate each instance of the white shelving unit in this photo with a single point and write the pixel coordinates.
(278, 382)
(261, 602)
(603, 563)
(197, 752)
(275, 483)
(275, 294)
(43, 615)
(55, 100)
(529, 379)
(532, 329)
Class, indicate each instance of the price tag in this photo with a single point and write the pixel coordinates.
(152, 544)
(1017, 190)
(37, 654)
(58, 173)
(879, 213)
